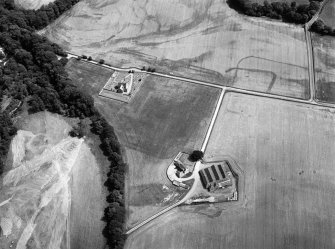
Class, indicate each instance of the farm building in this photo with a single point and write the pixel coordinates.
(179, 165)
(218, 175)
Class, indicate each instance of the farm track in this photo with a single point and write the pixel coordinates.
(310, 53)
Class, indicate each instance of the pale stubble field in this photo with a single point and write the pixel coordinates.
(203, 40)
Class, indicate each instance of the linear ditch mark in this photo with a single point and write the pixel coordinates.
(271, 84)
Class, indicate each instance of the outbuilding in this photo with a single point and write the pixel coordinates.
(216, 176)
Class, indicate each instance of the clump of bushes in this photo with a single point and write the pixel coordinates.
(320, 27)
(196, 155)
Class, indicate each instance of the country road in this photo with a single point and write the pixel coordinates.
(226, 88)
(317, 14)
(310, 54)
(310, 58)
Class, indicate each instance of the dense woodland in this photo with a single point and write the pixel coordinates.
(33, 73)
(281, 10)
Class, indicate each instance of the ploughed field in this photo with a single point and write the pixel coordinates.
(164, 117)
(286, 151)
(324, 62)
(198, 39)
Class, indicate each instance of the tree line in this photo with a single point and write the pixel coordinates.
(36, 19)
(114, 214)
(7, 131)
(291, 13)
(34, 73)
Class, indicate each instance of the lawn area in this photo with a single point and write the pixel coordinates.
(286, 151)
(164, 117)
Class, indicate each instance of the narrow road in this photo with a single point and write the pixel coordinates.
(226, 88)
(310, 54)
(154, 217)
(210, 128)
(310, 57)
(317, 14)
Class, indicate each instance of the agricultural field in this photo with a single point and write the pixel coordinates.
(164, 117)
(286, 151)
(31, 4)
(91, 78)
(324, 61)
(88, 203)
(204, 40)
(327, 15)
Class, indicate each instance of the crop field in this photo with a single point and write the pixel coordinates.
(31, 4)
(327, 14)
(286, 151)
(204, 40)
(164, 117)
(88, 76)
(324, 61)
(88, 203)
